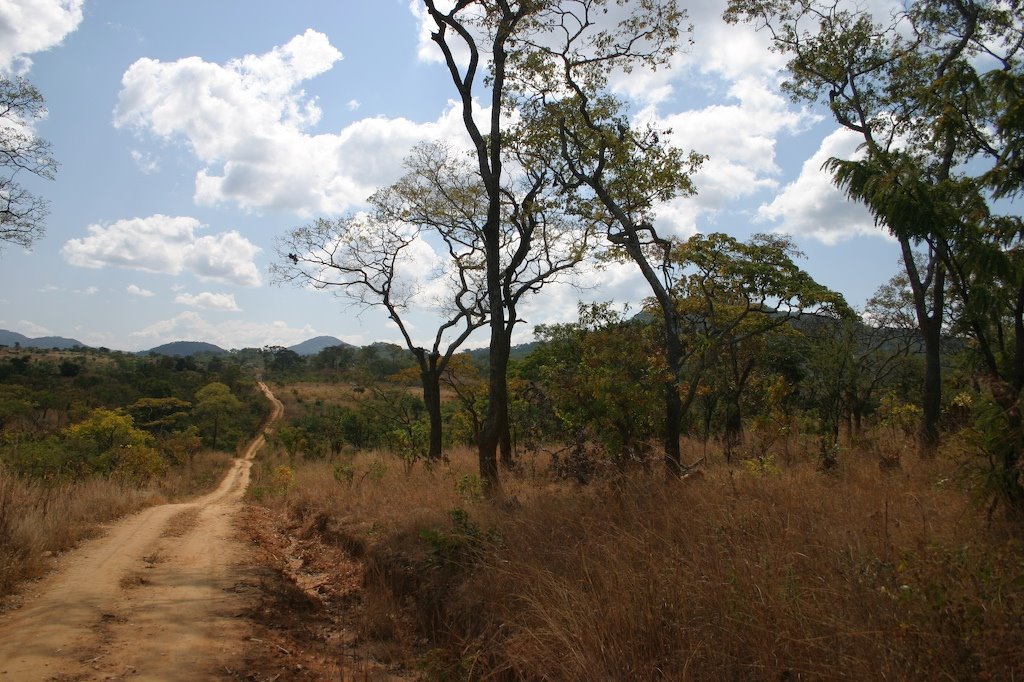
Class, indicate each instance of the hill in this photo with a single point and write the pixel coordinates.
(316, 344)
(9, 338)
(184, 349)
(517, 352)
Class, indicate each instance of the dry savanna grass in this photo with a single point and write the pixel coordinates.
(756, 571)
(37, 521)
(294, 394)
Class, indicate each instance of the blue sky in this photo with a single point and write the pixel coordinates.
(191, 133)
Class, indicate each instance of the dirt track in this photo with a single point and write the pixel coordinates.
(157, 597)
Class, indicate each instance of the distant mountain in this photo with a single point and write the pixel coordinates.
(184, 349)
(515, 352)
(316, 344)
(8, 338)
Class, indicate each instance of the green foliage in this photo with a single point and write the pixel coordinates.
(377, 471)
(998, 444)
(469, 487)
(108, 443)
(214, 402)
(160, 414)
(597, 375)
(900, 417)
(344, 472)
(460, 543)
(763, 465)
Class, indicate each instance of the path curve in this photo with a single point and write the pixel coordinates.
(158, 597)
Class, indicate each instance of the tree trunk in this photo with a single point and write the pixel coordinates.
(495, 423)
(932, 396)
(673, 401)
(506, 447)
(930, 324)
(432, 400)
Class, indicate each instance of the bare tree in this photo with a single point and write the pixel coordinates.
(539, 243)
(22, 213)
(368, 261)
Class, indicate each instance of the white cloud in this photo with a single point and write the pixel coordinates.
(146, 163)
(247, 122)
(88, 291)
(353, 104)
(210, 301)
(812, 206)
(740, 138)
(28, 26)
(166, 244)
(229, 334)
(135, 290)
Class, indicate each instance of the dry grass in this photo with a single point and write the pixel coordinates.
(201, 476)
(748, 573)
(292, 395)
(38, 521)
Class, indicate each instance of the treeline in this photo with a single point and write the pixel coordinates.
(588, 392)
(69, 414)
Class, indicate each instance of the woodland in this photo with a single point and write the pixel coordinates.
(743, 478)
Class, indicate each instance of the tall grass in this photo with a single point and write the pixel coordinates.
(753, 572)
(38, 520)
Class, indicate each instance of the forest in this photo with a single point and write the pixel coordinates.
(744, 477)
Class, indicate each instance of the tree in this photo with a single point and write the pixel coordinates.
(22, 213)
(213, 401)
(440, 201)
(107, 442)
(728, 296)
(159, 415)
(929, 89)
(596, 372)
(497, 49)
(367, 260)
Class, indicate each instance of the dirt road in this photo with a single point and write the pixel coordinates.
(156, 598)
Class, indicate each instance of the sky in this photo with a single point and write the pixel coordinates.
(191, 134)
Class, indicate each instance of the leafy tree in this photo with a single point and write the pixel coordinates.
(934, 92)
(69, 369)
(596, 373)
(22, 213)
(293, 439)
(107, 442)
(213, 402)
(285, 361)
(462, 377)
(160, 414)
(728, 295)
(335, 357)
(182, 446)
(16, 405)
(492, 49)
